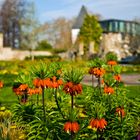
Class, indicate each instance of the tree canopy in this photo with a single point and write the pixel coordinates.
(90, 30)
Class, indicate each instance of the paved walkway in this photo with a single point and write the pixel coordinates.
(128, 79)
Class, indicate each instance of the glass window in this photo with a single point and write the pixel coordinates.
(117, 26)
(110, 26)
(113, 26)
(137, 29)
(104, 25)
(121, 27)
(128, 28)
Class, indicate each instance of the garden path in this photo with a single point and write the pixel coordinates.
(128, 79)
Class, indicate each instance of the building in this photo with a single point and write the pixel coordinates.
(115, 38)
(120, 26)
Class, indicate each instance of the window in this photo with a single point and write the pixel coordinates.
(133, 28)
(121, 27)
(110, 26)
(128, 28)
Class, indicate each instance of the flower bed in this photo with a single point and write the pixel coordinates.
(53, 104)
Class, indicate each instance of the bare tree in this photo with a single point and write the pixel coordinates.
(57, 32)
(13, 18)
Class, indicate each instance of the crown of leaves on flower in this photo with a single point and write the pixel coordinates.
(117, 69)
(41, 70)
(111, 56)
(97, 110)
(55, 70)
(73, 75)
(109, 80)
(23, 79)
(96, 63)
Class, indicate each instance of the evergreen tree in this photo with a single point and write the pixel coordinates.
(90, 31)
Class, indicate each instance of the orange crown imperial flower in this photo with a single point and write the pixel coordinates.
(112, 62)
(55, 83)
(120, 111)
(72, 89)
(98, 72)
(117, 77)
(108, 90)
(1, 84)
(17, 91)
(34, 91)
(98, 123)
(42, 82)
(71, 127)
(23, 87)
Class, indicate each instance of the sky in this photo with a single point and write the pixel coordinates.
(48, 10)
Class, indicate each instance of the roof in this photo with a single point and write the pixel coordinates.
(119, 20)
(80, 19)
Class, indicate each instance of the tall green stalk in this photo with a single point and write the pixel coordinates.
(92, 80)
(37, 98)
(43, 103)
(99, 84)
(72, 103)
(58, 106)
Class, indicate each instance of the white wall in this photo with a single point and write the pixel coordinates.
(9, 54)
(75, 33)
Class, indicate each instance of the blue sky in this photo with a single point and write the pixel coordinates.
(119, 9)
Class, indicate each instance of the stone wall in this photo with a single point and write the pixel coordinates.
(115, 42)
(7, 53)
(1, 41)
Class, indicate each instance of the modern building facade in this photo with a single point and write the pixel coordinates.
(120, 26)
(115, 38)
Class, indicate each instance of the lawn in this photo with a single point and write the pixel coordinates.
(8, 97)
(133, 91)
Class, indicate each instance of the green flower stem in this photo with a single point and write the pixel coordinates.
(72, 136)
(56, 100)
(37, 98)
(24, 97)
(18, 99)
(72, 103)
(109, 102)
(99, 84)
(43, 103)
(121, 126)
(92, 80)
(97, 135)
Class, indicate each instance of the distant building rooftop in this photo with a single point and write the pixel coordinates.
(80, 19)
(110, 25)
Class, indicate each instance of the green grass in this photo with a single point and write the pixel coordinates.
(133, 91)
(7, 97)
(8, 79)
